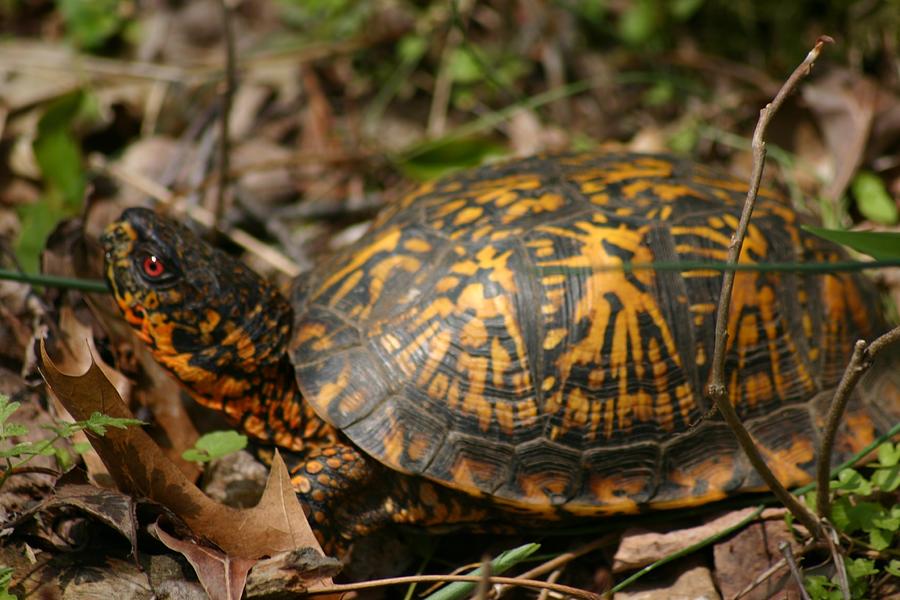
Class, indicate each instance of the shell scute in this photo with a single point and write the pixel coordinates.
(503, 350)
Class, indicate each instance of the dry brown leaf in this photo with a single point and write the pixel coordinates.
(107, 506)
(640, 547)
(294, 571)
(139, 467)
(76, 253)
(222, 577)
(742, 558)
(844, 104)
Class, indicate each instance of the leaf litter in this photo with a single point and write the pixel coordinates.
(276, 524)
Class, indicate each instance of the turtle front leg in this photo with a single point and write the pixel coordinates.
(349, 495)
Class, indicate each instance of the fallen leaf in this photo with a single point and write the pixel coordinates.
(293, 571)
(743, 557)
(140, 468)
(223, 577)
(639, 547)
(107, 506)
(73, 251)
(844, 104)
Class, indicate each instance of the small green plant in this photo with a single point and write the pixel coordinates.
(215, 445)
(5, 582)
(17, 455)
(869, 524)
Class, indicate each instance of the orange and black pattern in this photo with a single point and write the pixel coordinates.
(214, 323)
(477, 336)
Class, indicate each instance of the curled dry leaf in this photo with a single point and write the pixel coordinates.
(221, 576)
(139, 467)
(107, 506)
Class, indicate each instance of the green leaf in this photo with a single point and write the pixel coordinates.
(464, 67)
(887, 480)
(81, 447)
(5, 580)
(504, 561)
(7, 408)
(850, 480)
(893, 567)
(639, 22)
(880, 539)
(12, 430)
(58, 156)
(820, 587)
(98, 422)
(882, 245)
(873, 200)
(442, 156)
(888, 454)
(214, 445)
(860, 567)
(842, 517)
(683, 10)
(91, 24)
(17, 450)
(57, 152)
(411, 48)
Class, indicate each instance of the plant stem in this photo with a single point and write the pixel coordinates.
(716, 388)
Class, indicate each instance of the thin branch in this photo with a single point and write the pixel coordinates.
(484, 586)
(788, 553)
(227, 96)
(529, 583)
(831, 538)
(862, 358)
(545, 593)
(716, 388)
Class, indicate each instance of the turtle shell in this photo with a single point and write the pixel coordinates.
(484, 335)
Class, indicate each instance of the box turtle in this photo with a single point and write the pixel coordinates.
(480, 354)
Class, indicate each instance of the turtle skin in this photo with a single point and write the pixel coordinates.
(481, 353)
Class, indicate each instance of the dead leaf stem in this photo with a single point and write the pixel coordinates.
(785, 549)
(716, 388)
(862, 358)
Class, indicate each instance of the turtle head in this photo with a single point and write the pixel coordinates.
(209, 319)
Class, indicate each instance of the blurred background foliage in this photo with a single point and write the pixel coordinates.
(415, 88)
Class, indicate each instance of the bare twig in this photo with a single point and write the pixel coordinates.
(788, 553)
(831, 538)
(529, 583)
(716, 388)
(862, 358)
(227, 95)
(484, 586)
(545, 593)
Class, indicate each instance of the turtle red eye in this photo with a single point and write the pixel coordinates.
(153, 267)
